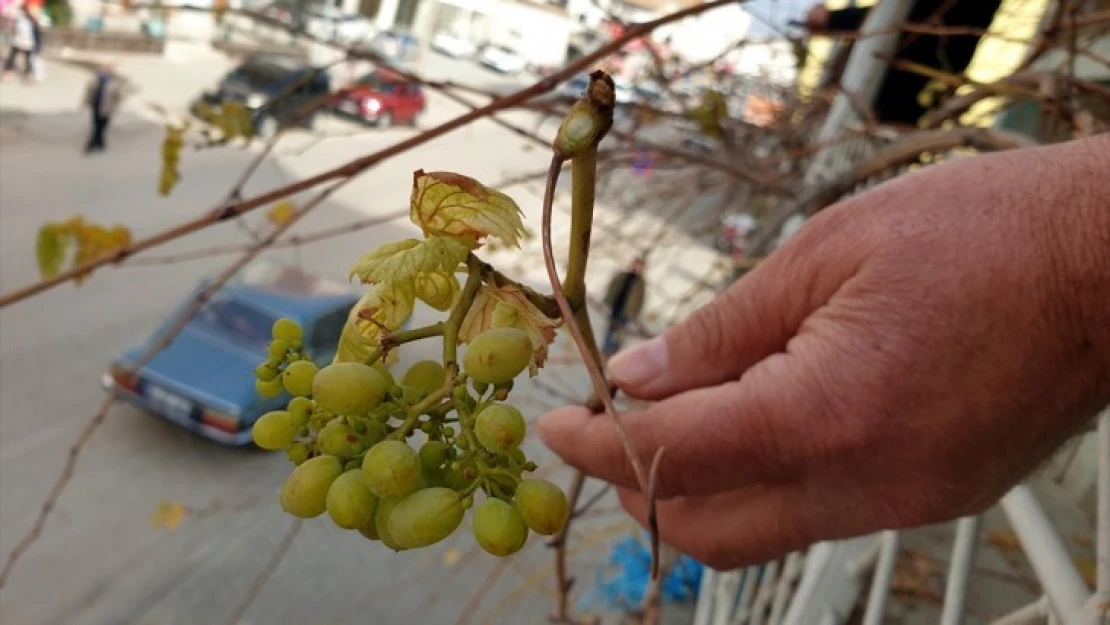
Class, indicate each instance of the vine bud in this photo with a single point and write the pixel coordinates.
(589, 119)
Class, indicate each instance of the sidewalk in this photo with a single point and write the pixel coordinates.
(172, 80)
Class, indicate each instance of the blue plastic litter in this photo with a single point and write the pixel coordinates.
(621, 583)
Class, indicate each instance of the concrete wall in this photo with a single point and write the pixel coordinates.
(540, 34)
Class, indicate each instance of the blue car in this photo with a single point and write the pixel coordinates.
(204, 380)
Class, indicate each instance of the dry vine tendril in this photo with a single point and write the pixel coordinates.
(350, 427)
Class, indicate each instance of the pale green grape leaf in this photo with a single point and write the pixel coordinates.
(437, 289)
(508, 306)
(453, 205)
(387, 304)
(51, 248)
(403, 260)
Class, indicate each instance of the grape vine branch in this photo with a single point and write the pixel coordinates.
(354, 167)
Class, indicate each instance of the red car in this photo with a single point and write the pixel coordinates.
(382, 98)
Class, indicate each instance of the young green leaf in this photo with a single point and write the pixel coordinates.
(453, 205)
(388, 304)
(509, 307)
(404, 260)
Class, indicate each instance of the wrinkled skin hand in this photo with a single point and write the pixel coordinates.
(904, 359)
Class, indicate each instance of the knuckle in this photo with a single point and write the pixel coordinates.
(707, 329)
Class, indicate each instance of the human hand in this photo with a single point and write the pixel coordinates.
(904, 359)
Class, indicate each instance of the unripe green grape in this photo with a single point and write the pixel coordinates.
(265, 372)
(498, 528)
(269, 390)
(381, 523)
(300, 408)
(274, 430)
(497, 355)
(336, 438)
(499, 427)
(375, 432)
(287, 330)
(277, 349)
(542, 505)
(424, 377)
(297, 453)
(454, 479)
(392, 469)
(297, 378)
(386, 374)
(434, 477)
(517, 456)
(479, 387)
(425, 517)
(305, 493)
(370, 531)
(348, 388)
(433, 454)
(350, 504)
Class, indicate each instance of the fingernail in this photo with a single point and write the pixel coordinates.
(640, 363)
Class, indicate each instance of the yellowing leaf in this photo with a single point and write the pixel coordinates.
(452, 556)
(509, 307)
(281, 212)
(403, 260)
(710, 112)
(171, 156)
(50, 249)
(167, 515)
(388, 304)
(453, 205)
(234, 120)
(437, 290)
(92, 242)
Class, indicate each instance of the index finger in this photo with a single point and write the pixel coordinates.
(721, 438)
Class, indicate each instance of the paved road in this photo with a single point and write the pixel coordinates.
(99, 561)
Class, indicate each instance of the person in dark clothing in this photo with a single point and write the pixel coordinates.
(625, 298)
(103, 97)
(897, 100)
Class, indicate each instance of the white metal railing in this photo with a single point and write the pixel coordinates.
(833, 573)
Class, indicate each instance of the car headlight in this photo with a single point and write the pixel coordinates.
(255, 100)
(372, 104)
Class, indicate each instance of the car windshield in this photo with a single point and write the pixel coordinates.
(236, 321)
(259, 74)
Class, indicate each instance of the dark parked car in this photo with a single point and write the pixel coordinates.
(204, 380)
(257, 83)
(382, 97)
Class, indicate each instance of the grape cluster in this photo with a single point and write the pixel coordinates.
(348, 429)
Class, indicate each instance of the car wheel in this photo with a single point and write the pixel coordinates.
(418, 119)
(267, 127)
(385, 120)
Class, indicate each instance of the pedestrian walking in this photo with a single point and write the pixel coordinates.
(103, 97)
(22, 44)
(38, 19)
(625, 298)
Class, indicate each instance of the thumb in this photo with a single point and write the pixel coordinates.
(751, 320)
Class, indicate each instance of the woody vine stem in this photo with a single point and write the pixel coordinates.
(578, 137)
